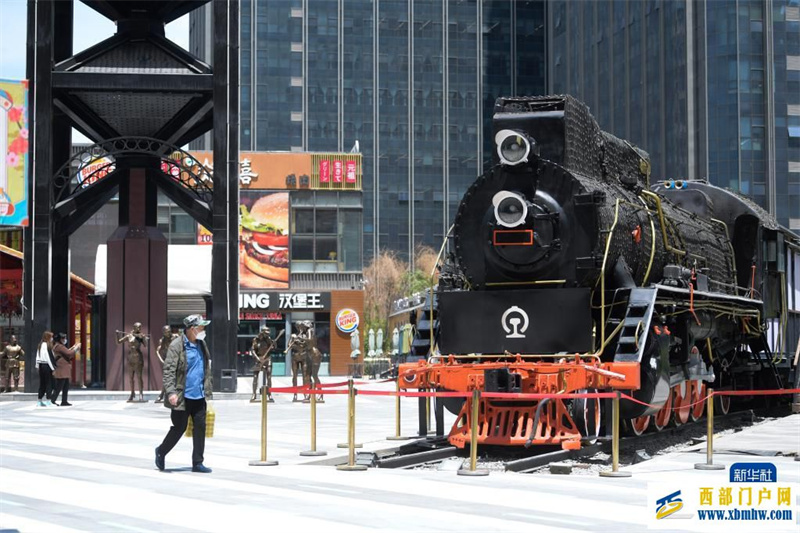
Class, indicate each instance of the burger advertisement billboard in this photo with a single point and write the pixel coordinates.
(264, 240)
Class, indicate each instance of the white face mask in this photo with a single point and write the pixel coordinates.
(201, 336)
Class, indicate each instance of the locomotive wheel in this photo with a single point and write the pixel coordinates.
(722, 404)
(699, 391)
(681, 403)
(637, 426)
(587, 415)
(661, 418)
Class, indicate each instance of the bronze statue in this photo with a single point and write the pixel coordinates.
(136, 342)
(305, 357)
(166, 339)
(12, 354)
(297, 349)
(262, 345)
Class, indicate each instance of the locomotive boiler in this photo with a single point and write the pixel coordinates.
(570, 271)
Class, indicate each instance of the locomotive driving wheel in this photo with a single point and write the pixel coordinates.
(681, 403)
(661, 418)
(586, 413)
(699, 391)
(637, 426)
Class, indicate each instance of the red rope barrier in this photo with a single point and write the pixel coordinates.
(776, 392)
(634, 400)
(516, 395)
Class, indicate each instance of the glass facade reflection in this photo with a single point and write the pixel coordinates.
(690, 81)
(413, 81)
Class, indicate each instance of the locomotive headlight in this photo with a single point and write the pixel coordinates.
(513, 147)
(510, 209)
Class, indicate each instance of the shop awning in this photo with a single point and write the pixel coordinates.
(188, 269)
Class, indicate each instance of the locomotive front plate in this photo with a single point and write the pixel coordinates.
(534, 321)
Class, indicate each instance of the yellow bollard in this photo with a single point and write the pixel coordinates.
(709, 464)
(615, 471)
(473, 439)
(351, 431)
(397, 435)
(353, 407)
(263, 461)
(313, 451)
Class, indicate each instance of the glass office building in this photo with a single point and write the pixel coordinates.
(710, 88)
(412, 81)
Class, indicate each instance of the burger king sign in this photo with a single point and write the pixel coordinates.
(347, 320)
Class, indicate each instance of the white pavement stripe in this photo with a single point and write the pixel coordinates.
(324, 488)
(126, 527)
(531, 516)
(195, 513)
(12, 504)
(406, 481)
(454, 520)
(29, 525)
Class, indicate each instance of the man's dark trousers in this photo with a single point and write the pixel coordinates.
(197, 410)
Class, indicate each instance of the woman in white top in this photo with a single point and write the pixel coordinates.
(46, 364)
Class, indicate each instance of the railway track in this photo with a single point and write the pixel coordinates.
(434, 450)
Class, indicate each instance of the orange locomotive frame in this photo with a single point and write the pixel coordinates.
(510, 422)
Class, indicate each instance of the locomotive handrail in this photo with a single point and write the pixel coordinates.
(595, 355)
(662, 220)
(535, 282)
(652, 240)
(603, 276)
(521, 356)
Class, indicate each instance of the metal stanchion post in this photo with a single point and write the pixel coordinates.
(709, 464)
(428, 413)
(351, 407)
(473, 439)
(422, 416)
(397, 431)
(351, 431)
(313, 451)
(263, 461)
(615, 471)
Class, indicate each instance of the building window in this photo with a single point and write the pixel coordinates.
(326, 232)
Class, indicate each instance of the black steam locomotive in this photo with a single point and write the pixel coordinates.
(565, 248)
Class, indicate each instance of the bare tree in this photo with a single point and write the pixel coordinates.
(425, 260)
(385, 277)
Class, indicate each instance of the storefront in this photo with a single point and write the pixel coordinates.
(80, 308)
(282, 310)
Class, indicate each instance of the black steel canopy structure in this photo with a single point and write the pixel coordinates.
(139, 97)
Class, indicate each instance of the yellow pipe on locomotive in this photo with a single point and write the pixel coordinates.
(603, 276)
(662, 220)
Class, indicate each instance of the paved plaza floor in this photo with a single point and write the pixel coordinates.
(90, 468)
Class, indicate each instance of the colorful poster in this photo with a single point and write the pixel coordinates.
(324, 171)
(264, 240)
(350, 172)
(14, 148)
(95, 169)
(271, 171)
(337, 171)
(204, 236)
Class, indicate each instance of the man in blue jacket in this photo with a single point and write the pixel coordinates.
(187, 382)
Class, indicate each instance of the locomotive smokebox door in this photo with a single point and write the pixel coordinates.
(536, 321)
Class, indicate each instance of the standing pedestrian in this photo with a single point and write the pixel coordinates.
(187, 382)
(46, 364)
(64, 357)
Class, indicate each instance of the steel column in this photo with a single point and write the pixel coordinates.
(225, 260)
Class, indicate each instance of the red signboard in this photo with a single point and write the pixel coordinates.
(337, 171)
(324, 171)
(350, 172)
(256, 315)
